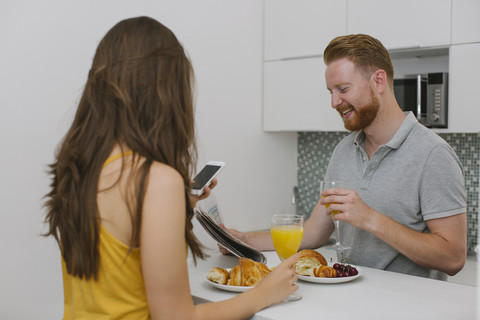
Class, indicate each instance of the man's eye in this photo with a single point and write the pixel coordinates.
(342, 89)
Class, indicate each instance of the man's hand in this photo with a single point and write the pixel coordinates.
(352, 208)
(237, 234)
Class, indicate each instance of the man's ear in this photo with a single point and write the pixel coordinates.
(380, 80)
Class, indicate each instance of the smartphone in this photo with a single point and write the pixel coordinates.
(205, 176)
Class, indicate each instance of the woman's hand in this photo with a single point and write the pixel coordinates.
(206, 192)
(280, 283)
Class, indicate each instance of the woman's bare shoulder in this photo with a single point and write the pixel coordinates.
(163, 176)
(165, 194)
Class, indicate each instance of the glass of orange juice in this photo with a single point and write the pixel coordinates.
(287, 234)
(329, 184)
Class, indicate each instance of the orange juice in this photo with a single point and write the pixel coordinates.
(286, 239)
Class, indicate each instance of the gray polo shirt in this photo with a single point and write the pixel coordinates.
(415, 177)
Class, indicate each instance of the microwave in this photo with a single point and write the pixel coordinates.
(426, 95)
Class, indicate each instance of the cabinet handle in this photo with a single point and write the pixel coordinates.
(303, 57)
(394, 49)
(419, 97)
(309, 56)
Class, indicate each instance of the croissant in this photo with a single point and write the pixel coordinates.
(309, 259)
(235, 276)
(247, 273)
(218, 275)
(264, 270)
(324, 272)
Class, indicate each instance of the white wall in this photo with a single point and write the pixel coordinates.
(46, 51)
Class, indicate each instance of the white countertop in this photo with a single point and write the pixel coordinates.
(376, 294)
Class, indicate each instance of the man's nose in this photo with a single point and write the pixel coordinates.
(336, 101)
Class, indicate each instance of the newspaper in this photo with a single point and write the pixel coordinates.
(211, 207)
(229, 242)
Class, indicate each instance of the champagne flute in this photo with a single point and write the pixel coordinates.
(329, 184)
(287, 234)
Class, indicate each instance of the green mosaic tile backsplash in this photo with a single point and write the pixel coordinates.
(315, 148)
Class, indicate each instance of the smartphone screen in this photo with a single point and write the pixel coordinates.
(204, 176)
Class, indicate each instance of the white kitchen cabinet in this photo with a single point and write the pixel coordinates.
(296, 97)
(465, 21)
(402, 24)
(299, 28)
(295, 94)
(464, 68)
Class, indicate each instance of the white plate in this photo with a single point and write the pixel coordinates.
(226, 287)
(331, 280)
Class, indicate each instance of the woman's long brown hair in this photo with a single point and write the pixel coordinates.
(138, 94)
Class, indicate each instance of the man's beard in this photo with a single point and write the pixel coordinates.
(364, 115)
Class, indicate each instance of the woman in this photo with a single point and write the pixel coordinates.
(119, 205)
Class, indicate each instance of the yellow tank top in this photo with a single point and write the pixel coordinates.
(119, 291)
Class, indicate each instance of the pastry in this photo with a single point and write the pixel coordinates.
(218, 275)
(235, 276)
(250, 272)
(263, 269)
(247, 273)
(309, 259)
(324, 272)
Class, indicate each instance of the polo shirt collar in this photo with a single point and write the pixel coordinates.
(400, 136)
(402, 133)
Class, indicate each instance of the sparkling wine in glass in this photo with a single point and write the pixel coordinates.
(329, 184)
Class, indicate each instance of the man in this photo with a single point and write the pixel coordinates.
(405, 209)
